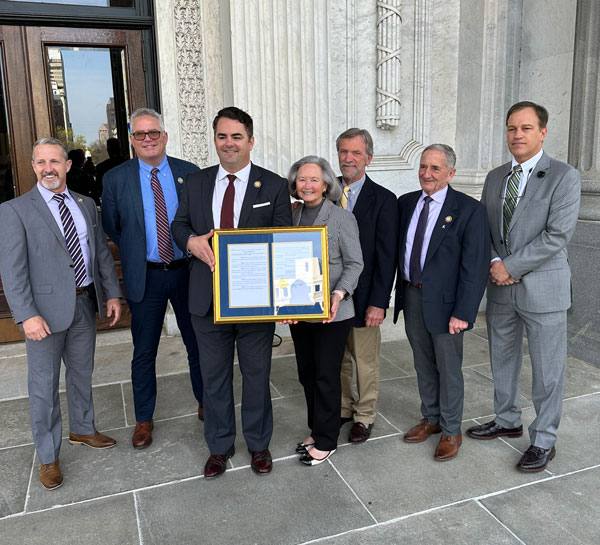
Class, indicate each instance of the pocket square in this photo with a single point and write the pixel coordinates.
(260, 205)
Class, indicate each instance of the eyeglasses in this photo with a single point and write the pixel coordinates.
(154, 134)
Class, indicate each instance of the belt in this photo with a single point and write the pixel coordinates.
(177, 264)
(413, 284)
(84, 289)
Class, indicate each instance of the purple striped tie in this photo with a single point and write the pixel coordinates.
(165, 247)
(72, 239)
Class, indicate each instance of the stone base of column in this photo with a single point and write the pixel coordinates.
(584, 315)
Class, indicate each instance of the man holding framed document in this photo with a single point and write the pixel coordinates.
(235, 193)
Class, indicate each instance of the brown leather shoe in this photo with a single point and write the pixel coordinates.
(50, 475)
(95, 440)
(447, 447)
(262, 463)
(200, 413)
(142, 435)
(217, 464)
(421, 431)
(359, 432)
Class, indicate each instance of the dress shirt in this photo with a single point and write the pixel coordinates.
(221, 183)
(528, 167)
(80, 225)
(435, 207)
(353, 191)
(167, 183)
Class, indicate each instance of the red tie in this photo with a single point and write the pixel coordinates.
(165, 248)
(227, 206)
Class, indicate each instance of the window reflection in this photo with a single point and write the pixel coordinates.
(89, 108)
(7, 190)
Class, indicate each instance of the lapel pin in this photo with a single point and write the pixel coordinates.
(257, 184)
(79, 199)
(541, 174)
(180, 180)
(448, 219)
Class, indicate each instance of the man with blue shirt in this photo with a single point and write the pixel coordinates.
(139, 201)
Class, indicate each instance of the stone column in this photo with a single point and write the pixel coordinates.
(584, 154)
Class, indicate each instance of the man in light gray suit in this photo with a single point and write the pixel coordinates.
(55, 265)
(533, 205)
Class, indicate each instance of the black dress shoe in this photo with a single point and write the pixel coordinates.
(217, 464)
(536, 459)
(491, 430)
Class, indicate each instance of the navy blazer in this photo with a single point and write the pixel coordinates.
(123, 218)
(266, 204)
(457, 263)
(376, 213)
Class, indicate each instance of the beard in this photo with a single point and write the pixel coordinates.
(51, 186)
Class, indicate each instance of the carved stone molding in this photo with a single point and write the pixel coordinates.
(191, 80)
(389, 23)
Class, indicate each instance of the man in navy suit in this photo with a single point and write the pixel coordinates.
(376, 213)
(235, 193)
(443, 265)
(139, 201)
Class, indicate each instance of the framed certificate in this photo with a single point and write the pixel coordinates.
(271, 274)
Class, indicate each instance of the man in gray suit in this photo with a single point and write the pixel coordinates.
(55, 265)
(533, 205)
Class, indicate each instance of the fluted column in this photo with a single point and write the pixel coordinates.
(584, 137)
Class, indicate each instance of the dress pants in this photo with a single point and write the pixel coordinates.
(438, 363)
(147, 317)
(319, 352)
(75, 347)
(547, 342)
(363, 346)
(254, 346)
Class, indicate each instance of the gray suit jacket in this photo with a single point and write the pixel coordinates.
(37, 270)
(345, 255)
(541, 227)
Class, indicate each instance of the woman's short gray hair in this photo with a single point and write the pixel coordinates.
(334, 188)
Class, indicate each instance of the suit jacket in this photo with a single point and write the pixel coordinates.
(376, 213)
(123, 218)
(541, 227)
(345, 256)
(266, 204)
(457, 262)
(37, 270)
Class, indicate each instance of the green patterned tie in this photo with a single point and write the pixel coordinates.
(511, 196)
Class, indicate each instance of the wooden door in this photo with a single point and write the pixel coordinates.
(52, 80)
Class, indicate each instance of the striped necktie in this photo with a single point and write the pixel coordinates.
(510, 197)
(72, 239)
(163, 235)
(344, 197)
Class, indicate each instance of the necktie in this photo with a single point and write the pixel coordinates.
(72, 239)
(414, 266)
(227, 206)
(344, 197)
(510, 197)
(163, 235)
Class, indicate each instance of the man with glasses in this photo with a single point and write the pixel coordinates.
(139, 201)
(533, 205)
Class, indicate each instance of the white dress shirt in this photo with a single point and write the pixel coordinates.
(221, 183)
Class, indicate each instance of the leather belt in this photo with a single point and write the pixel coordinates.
(84, 289)
(177, 264)
(413, 284)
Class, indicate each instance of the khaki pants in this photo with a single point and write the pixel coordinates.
(363, 347)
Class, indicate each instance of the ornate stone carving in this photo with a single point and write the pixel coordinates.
(191, 81)
(389, 22)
